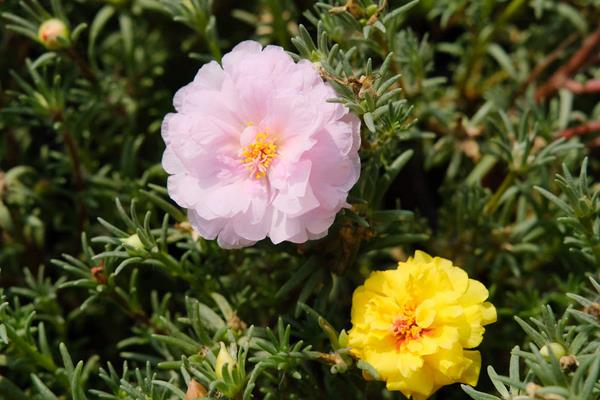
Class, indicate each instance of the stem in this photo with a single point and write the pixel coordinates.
(484, 166)
(481, 43)
(214, 49)
(85, 69)
(208, 31)
(591, 86)
(136, 314)
(558, 79)
(279, 28)
(493, 203)
(74, 156)
(542, 65)
(72, 151)
(580, 130)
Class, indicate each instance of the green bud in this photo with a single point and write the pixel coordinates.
(557, 349)
(54, 34)
(372, 9)
(133, 242)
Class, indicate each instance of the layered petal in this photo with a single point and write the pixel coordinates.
(415, 324)
(255, 149)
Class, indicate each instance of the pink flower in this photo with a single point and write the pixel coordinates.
(255, 150)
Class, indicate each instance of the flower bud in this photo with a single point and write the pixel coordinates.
(557, 349)
(54, 34)
(372, 9)
(133, 242)
(223, 359)
(195, 391)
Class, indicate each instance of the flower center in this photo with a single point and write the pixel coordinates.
(405, 328)
(257, 156)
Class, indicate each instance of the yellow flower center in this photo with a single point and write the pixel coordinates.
(257, 156)
(405, 329)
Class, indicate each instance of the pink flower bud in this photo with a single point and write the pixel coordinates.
(54, 34)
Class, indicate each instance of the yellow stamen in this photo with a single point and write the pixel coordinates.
(258, 156)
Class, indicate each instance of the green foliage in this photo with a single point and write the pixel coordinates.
(574, 374)
(474, 115)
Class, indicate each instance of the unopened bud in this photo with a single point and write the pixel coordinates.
(557, 349)
(133, 242)
(98, 273)
(54, 34)
(372, 9)
(195, 391)
(223, 359)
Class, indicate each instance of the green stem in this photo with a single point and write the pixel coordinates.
(279, 29)
(208, 32)
(84, 68)
(214, 49)
(73, 152)
(493, 203)
(509, 12)
(135, 313)
(484, 166)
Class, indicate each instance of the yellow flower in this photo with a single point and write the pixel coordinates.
(414, 324)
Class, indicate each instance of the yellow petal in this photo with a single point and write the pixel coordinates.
(379, 282)
(391, 363)
(425, 314)
(475, 337)
(450, 313)
(488, 313)
(420, 257)
(471, 374)
(446, 336)
(476, 293)
(418, 385)
(459, 279)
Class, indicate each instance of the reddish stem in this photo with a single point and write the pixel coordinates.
(580, 130)
(558, 79)
(545, 63)
(591, 86)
